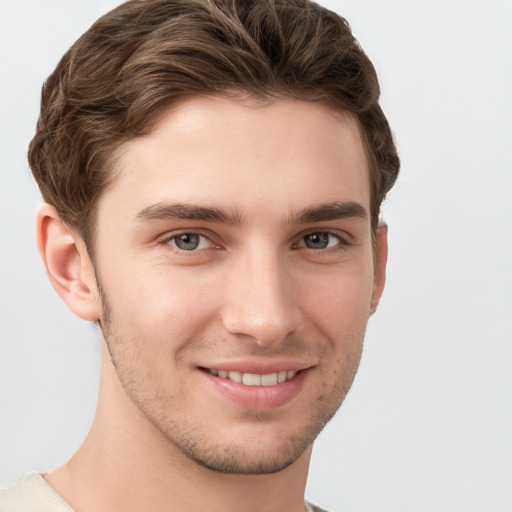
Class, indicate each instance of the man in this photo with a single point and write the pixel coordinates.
(213, 173)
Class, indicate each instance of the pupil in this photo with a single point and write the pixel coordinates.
(187, 241)
(317, 240)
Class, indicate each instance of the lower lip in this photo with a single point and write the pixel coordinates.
(258, 397)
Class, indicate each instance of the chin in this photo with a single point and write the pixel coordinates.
(255, 448)
(238, 460)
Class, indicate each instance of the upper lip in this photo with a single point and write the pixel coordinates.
(260, 367)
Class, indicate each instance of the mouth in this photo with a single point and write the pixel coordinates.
(257, 385)
(254, 379)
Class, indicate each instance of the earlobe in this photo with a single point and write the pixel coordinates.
(380, 261)
(68, 265)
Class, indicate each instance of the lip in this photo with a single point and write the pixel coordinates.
(260, 366)
(257, 398)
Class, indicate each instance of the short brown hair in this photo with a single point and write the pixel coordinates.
(145, 54)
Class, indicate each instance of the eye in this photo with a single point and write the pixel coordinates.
(320, 240)
(190, 241)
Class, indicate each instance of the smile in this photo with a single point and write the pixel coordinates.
(257, 391)
(255, 379)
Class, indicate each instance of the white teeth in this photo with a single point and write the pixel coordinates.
(254, 379)
(270, 379)
(251, 379)
(235, 376)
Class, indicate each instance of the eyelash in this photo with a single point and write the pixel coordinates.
(340, 241)
(202, 238)
(301, 244)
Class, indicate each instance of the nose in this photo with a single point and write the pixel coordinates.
(260, 300)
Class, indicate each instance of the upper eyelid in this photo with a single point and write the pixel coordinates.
(177, 232)
(341, 239)
(342, 235)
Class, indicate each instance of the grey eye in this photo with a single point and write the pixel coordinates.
(317, 240)
(320, 240)
(187, 241)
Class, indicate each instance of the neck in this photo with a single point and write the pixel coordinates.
(126, 464)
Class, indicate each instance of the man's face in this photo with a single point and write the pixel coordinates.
(236, 241)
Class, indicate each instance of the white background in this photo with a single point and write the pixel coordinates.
(428, 423)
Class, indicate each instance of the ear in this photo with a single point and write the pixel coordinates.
(68, 265)
(380, 260)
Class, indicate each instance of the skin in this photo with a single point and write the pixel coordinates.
(284, 276)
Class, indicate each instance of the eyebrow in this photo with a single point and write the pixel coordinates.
(318, 213)
(331, 211)
(180, 211)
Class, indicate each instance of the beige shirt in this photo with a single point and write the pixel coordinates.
(34, 494)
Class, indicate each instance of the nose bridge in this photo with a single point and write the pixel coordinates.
(259, 298)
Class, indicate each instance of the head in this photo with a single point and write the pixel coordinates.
(220, 166)
(139, 59)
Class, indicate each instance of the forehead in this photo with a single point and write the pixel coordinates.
(243, 155)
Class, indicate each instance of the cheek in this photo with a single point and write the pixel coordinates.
(339, 306)
(165, 306)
